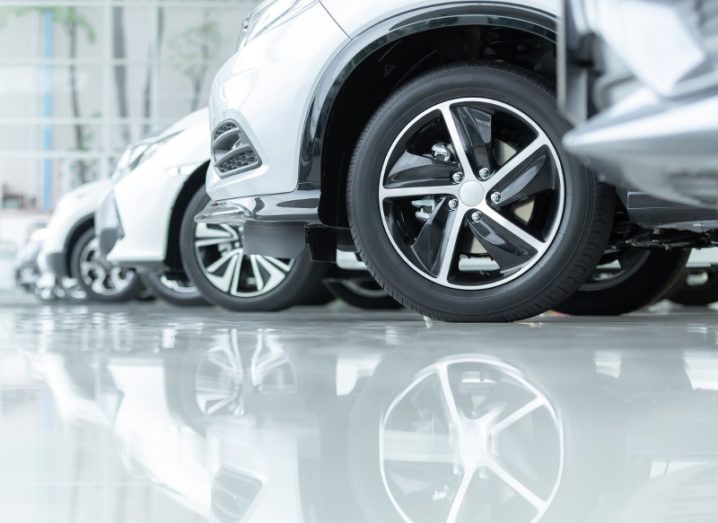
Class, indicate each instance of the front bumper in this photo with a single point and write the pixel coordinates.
(108, 228)
(265, 91)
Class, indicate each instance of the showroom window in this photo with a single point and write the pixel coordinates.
(82, 78)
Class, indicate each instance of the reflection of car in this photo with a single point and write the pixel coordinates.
(392, 423)
(70, 257)
(182, 261)
(655, 94)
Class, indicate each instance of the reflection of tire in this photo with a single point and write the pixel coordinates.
(644, 277)
(101, 281)
(364, 294)
(542, 458)
(174, 290)
(699, 288)
(500, 230)
(213, 259)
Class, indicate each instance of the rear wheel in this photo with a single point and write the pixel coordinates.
(100, 280)
(364, 294)
(699, 288)
(627, 281)
(464, 205)
(176, 289)
(214, 259)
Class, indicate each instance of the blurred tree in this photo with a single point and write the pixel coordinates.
(192, 52)
(74, 24)
(147, 92)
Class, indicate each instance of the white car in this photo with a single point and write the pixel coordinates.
(422, 134)
(69, 258)
(146, 222)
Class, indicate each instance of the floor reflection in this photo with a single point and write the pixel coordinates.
(326, 417)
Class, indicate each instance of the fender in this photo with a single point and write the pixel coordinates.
(508, 15)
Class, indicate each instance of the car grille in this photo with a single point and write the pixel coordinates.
(232, 151)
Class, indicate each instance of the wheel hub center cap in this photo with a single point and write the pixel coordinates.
(471, 193)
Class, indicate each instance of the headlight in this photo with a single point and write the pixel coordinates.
(269, 15)
(138, 153)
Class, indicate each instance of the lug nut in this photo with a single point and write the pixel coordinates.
(484, 173)
(457, 177)
(475, 216)
(453, 204)
(496, 197)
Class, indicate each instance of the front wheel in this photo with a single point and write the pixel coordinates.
(464, 205)
(214, 259)
(627, 281)
(101, 281)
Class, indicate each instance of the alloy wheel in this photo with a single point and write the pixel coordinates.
(103, 278)
(219, 251)
(472, 193)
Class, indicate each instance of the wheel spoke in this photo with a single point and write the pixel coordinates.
(258, 278)
(412, 170)
(224, 259)
(460, 496)
(518, 164)
(234, 286)
(435, 244)
(276, 273)
(517, 486)
(475, 127)
(532, 177)
(456, 141)
(506, 249)
(518, 414)
(204, 231)
(512, 233)
(416, 191)
(224, 282)
(450, 401)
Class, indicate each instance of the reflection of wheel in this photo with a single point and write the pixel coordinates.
(699, 288)
(174, 289)
(365, 294)
(470, 437)
(628, 281)
(101, 281)
(462, 438)
(214, 260)
(482, 215)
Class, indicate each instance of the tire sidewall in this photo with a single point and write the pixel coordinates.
(364, 211)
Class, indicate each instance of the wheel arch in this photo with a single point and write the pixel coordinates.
(390, 54)
(195, 181)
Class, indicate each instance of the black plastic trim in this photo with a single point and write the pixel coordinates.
(416, 21)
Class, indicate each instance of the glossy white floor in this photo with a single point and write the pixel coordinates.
(147, 413)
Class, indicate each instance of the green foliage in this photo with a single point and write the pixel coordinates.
(195, 47)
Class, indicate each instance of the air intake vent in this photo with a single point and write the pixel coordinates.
(232, 151)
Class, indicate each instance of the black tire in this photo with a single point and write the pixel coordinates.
(655, 273)
(180, 298)
(696, 295)
(582, 232)
(363, 294)
(301, 283)
(132, 290)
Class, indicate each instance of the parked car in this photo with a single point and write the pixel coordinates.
(187, 263)
(426, 139)
(70, 258)
(645, 105)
